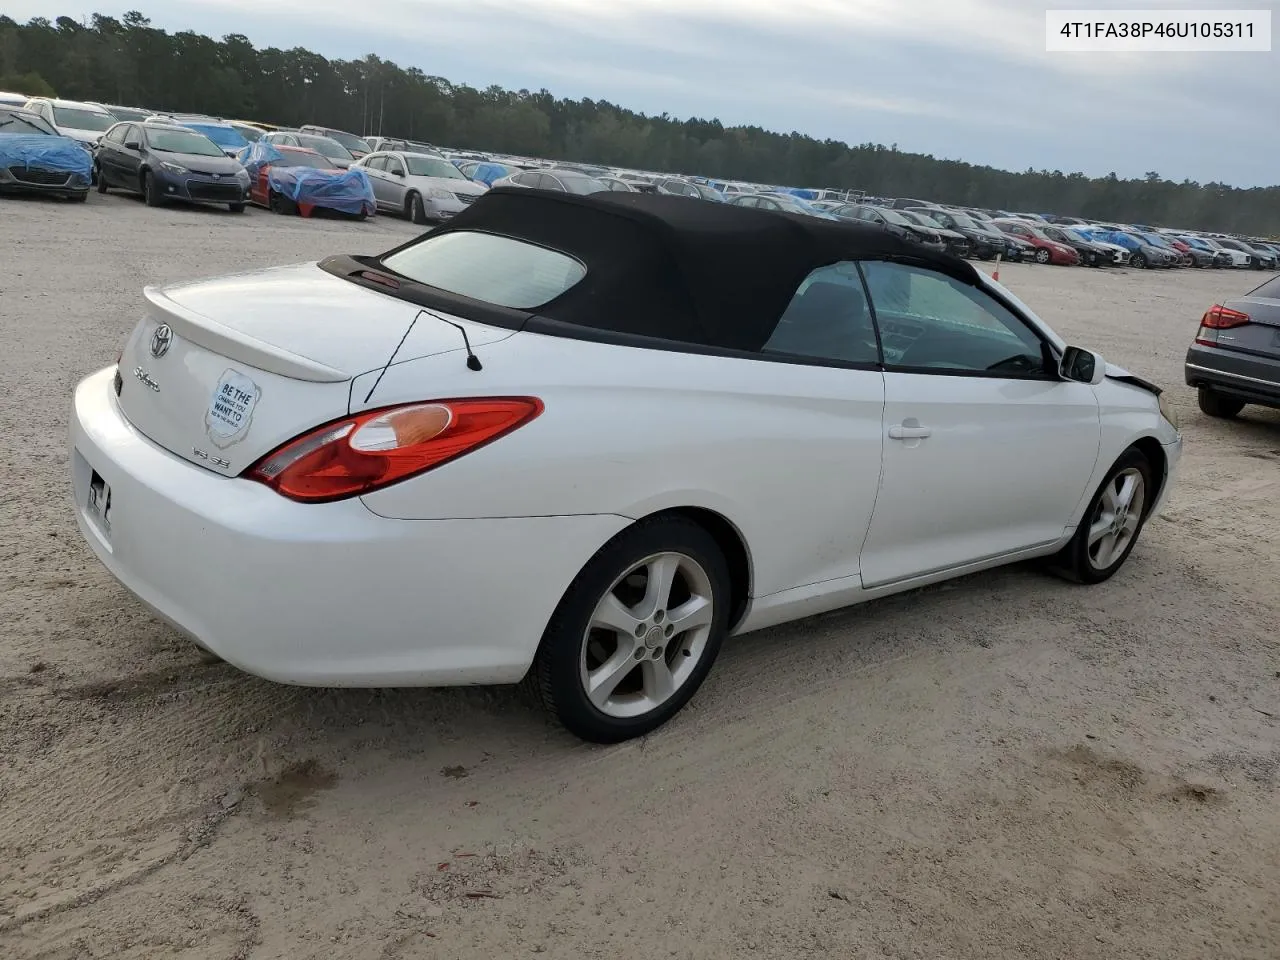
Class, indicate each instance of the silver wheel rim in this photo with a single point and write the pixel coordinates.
(647, 635)
(1042, 255)
(1115, 521)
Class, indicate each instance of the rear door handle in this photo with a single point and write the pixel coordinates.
(909, 430)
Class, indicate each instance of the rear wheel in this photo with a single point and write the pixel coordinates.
(1216, 405)
(636, 633)
(151, 192)
(102, 182)
(1111, 524)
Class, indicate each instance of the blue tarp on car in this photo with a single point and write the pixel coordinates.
(486, 173)
(257, 155)
(54, 154)
(347, 191)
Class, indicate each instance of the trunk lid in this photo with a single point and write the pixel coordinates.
(1261, 335)
(222, 372)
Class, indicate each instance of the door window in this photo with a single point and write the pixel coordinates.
(828, 319)
(393, 165)
(116, 133)
(932, 323)
(375, 163)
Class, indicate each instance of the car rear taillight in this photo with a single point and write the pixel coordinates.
(376, 448)
(1218, 318)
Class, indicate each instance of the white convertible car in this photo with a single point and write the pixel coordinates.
(581, 440)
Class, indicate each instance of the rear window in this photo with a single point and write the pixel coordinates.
(490, 268)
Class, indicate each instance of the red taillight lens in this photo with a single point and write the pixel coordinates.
(1219, 317)
(376, 448)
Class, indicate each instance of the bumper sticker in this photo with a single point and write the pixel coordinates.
(231, 408)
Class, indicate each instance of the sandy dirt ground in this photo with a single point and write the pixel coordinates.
(1002, 767)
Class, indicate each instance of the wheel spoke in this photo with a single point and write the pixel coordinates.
(1124, 496)
(660, 577)
(611, 615)
(1109, 502)
(1130, 525)
(606, 677)
(694, 612)
(1101, 527)
(659, 684)
(1106, 550)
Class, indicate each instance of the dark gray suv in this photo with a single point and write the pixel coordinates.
(1235, 358)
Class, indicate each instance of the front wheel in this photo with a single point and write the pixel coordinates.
(1112, 523)
(1138, 261)
(101, 182)
(636, 633)
(1042, 255)
(417, 211)
(151, 192)
(236, 207)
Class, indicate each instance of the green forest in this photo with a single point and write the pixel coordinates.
(129, 62)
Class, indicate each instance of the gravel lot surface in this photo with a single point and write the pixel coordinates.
(1006, 766)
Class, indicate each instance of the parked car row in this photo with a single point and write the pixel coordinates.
(339, 170)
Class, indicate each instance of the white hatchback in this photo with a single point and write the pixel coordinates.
(581, 440)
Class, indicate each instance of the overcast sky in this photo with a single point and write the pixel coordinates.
(962, 79)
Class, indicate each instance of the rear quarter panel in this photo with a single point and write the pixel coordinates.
(787, 453)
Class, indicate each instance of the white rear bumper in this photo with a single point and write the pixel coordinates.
(320, 594)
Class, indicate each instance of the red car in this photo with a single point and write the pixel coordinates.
(262, 194)
(1047, 251)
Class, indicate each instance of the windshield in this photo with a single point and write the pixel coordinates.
(1155, 240)
(576, 183)
(960, 220)
(222, 136)
(323, 145)
(350, 141)
(128, 113)
(305, 158)
(78, 119)
(927, 220)
(893, 216)
(248, 131)
(432, 167)
(181, 141)
(1078, 235)
(24, 123)
(488, 267)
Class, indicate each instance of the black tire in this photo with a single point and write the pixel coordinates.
(1216, 405)
(1042, 255)
(102, 182)
(236, 207)
(80, 197)
(568, 643)
(279, 203)
(150, 192)
(417, 210)
(1138, 261)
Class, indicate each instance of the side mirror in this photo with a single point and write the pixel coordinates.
(132, 145)
(1082, 366)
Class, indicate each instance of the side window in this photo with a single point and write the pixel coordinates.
(132, 132)
(930, 322)
(376, 163)
(393, 165)
(116, 133)
(828, 319)
(747, 202)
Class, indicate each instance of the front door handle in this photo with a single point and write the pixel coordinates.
(909, 429)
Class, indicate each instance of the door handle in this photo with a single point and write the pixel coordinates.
(909, 430)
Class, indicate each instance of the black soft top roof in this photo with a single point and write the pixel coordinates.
(679, 268)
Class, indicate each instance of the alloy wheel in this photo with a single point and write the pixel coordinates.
(1117, 517)
(647, 635)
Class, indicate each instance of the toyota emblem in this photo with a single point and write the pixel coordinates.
(160, 340)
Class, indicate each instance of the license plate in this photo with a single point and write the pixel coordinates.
(98, 502)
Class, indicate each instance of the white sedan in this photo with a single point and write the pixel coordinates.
(423, 188)
(581, 440)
